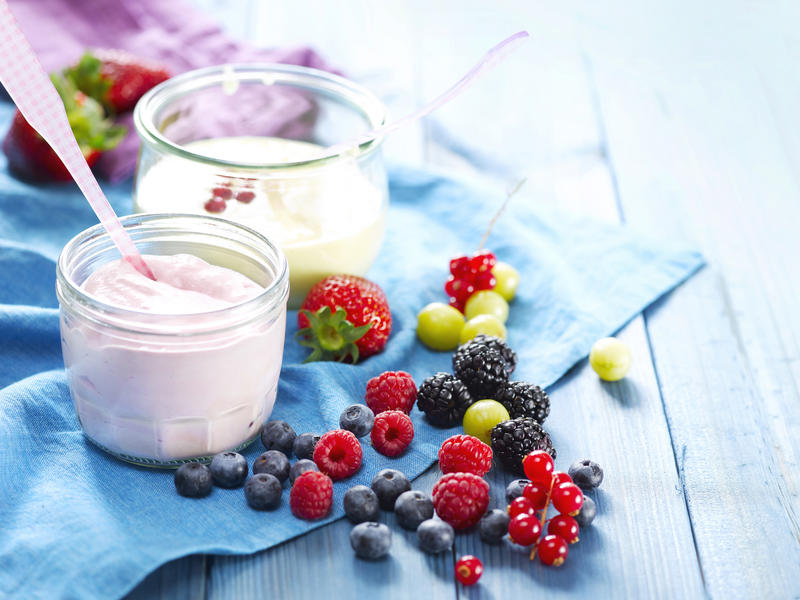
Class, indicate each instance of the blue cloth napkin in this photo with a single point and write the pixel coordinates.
(76, 523)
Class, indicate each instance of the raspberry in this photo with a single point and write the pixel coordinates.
(460, 499)
(392, 390)
(311, 496)
(465, 454)
(338, 454)
(392, 432)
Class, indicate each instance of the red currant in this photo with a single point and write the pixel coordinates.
(524, 529)
(538, 466)
(469, 569)
(459, 265)
(521, 506)
(552, 550)
(222, 192)
(215, 205)
(564, 527)
(537, 494)
(567, 498)
(245, 196)
(560, 477)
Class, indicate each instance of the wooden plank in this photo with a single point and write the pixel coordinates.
(718, 165)
(182, 579)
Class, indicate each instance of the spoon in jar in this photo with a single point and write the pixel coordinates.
(37, 99)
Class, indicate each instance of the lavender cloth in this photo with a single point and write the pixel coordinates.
(168, 31)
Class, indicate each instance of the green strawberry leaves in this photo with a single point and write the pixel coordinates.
(330, 335)
(86, 76)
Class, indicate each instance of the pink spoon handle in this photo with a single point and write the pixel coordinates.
(37, 99)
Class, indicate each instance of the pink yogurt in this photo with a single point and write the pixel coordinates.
(179, 368)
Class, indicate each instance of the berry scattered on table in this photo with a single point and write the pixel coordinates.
(539, 466)
(193, 480)
(486, 302)
(587, 512)
(560, 477)
(524, 529)
(215, 205)
(263, 491)
(392, 432)
(552, 550)
(483, 325)
(495, 343)
(468, 570)
(521, 506)
(434, 536)
(311, 496)
(392, 390)
(344, 318)
(515, 489)
(338, 454)
(412, 508)
(482, 416)
(300, 467)
(278, 435)
(610, 358)
(304, 445)
(228, 469)
(537, 493)
(565, 527)
(523, 399)
(461, 499)
(567, 499)
(439, 326)
(357, 419)
(482, 369)
(507, 280)
(223, 192)
(493, 526)
(465, 454)
(513, 440)
(444, 399)
(388, 484)
(273, 462)
(586, 474)
(245, 196)
(361, 504)
(469, 274)
(371, 540)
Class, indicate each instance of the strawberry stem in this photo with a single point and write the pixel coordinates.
(496, 216)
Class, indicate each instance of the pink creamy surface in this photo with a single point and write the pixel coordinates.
(184, 284)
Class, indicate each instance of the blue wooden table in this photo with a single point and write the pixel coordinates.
(680, 119)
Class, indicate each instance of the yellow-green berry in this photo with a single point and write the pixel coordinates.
(486, 302)
(439, 326)
(507, 280)
(487, 324)
(610, 358)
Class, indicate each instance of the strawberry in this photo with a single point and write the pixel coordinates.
(344, 317)
(30, 157)
(115, 78)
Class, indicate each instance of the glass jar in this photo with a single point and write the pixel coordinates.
(250, 143)
(158, 389)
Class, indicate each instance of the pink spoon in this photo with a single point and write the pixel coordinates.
(32, 91)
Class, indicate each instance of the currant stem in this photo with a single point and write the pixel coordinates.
(546, 505)
(496, 216)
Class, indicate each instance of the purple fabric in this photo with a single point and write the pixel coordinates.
(168, 31)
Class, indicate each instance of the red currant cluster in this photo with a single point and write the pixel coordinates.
(220, 196)
(469, 274)
(546, 487)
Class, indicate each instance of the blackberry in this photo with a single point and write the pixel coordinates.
(513, 440)
(444, 399)
(524, 400)
(494, 342)
(481, 368)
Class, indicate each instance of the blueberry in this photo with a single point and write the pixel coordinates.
(263, 491)
(304, 445)
(358, 419)
(371, 540)
(193, 480)
(494, 525)
(435, 536)
(587, 512)
(228, 469)
(361, 504)
(278, 435)
(514, 489)
(272, 462)
(586, 474)
(412, 508)
(300, 467)
(388, 484)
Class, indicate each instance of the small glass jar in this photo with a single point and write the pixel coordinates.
(251, 143)
(162, 390)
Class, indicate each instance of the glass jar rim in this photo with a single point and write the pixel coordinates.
(271, 297)
(307, 78)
